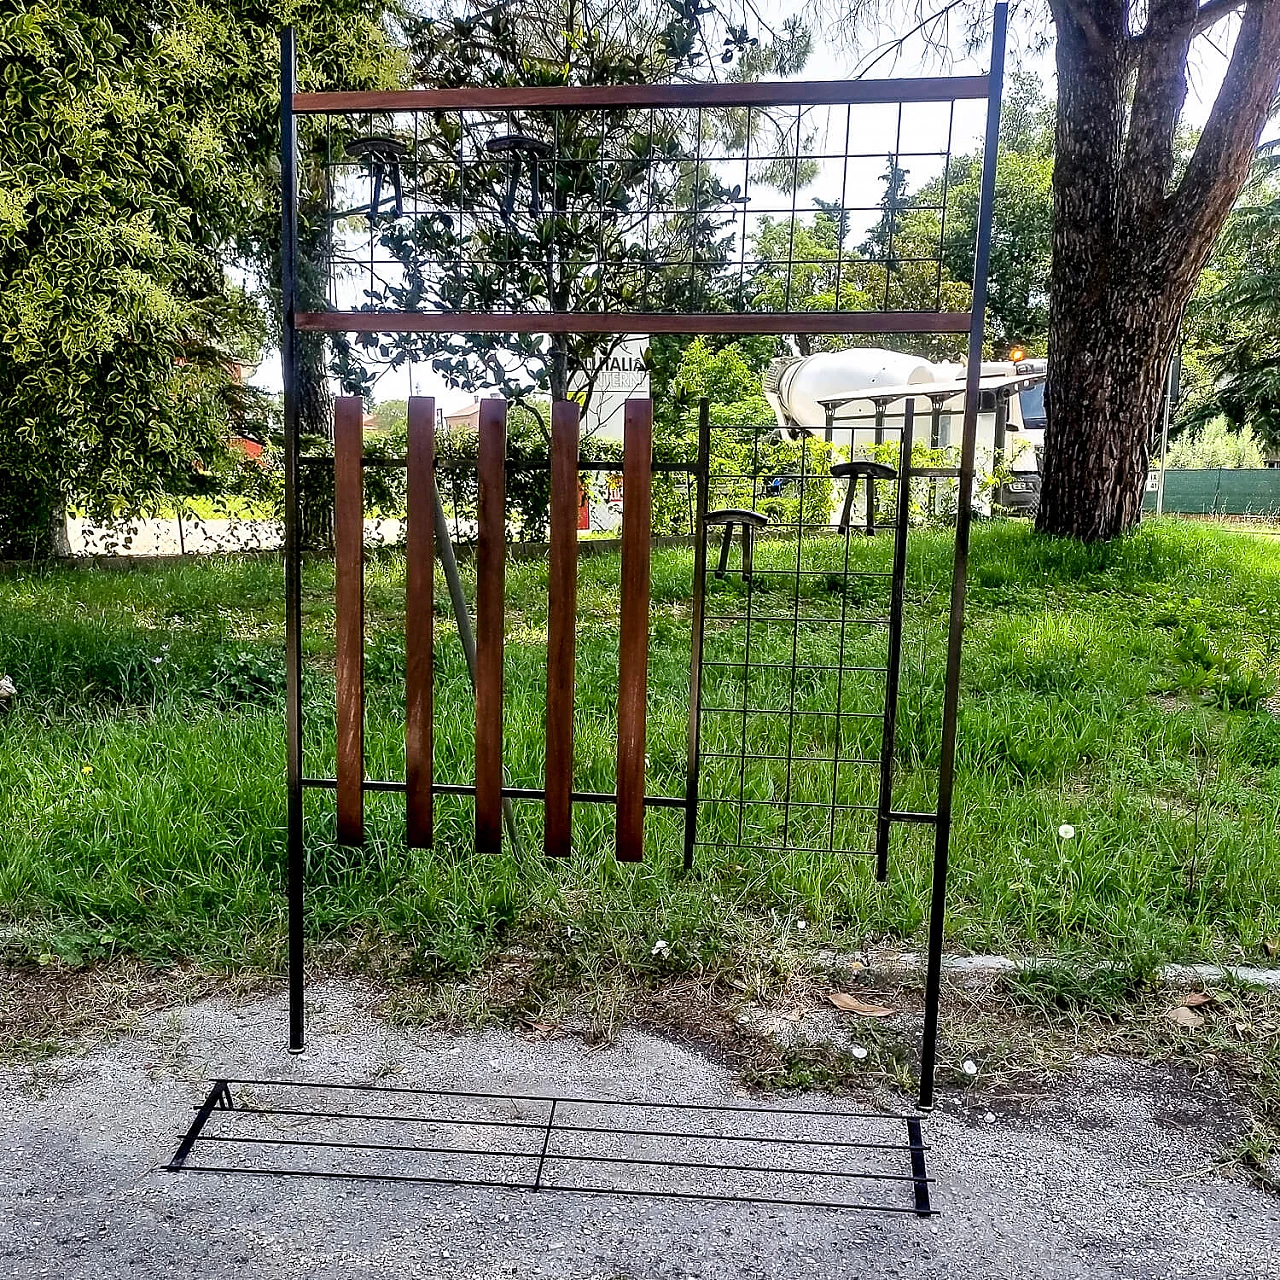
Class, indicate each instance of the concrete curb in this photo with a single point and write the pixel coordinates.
(1173, 975)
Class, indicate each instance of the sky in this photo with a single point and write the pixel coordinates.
(832, 59)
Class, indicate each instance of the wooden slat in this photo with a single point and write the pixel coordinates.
(635, 322)
(419, 629)
(633, 644)
(491, 551)
(348, 545)
(759, 93)
(562, 605)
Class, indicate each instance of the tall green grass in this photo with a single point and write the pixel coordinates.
(141, 795)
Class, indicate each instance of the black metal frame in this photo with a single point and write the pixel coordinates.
(294, 834)
(960, 566)
(990, 87)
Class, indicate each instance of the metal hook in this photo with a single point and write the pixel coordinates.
(519, 146)
(383, 154)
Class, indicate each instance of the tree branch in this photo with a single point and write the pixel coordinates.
(1199, 205)
(1212, 11)
(895, 46)
(1209, 14)
(1159, 93)
(1078, 13)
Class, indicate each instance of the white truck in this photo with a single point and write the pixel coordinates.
(855, 399)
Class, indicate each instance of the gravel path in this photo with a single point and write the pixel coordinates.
(1110, 1176)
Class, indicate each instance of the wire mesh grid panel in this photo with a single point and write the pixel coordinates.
(716, 208)
(796, 650)
(661, 207)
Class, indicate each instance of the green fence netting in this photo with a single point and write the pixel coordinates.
(1219, 491)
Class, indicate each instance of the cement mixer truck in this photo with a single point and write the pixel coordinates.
(854, 398)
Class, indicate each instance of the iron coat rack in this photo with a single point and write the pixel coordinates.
(502, 110)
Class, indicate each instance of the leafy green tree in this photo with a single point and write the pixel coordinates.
(1133, 225)
(1022, 230)
(749, 469)
(728, 376)
(808, 265)
(1231, 336)
(1214, 444)
(137, 146)
(390, 416)
(882, 243)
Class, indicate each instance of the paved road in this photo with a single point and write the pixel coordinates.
(1109, 1177)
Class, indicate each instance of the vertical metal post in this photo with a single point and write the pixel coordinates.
(1170, 395)
(698, 630)
(546, 1143)
(296, 856)
(919, 1174)
(999, 429)
(955, 632)
(935, 442)
(894, 655)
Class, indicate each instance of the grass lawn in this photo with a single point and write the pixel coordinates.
(1117, 689)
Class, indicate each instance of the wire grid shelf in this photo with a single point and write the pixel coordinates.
(870, 1161)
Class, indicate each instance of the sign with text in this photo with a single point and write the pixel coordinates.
(622, 377)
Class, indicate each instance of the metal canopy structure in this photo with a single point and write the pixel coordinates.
(794, 655)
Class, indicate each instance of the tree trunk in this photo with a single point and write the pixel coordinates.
(1097, 446)
(1129, 243)
(33, 515)
(59, 543)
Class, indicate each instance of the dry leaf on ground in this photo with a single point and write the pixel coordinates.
(851, 1004)
(1184, 1017)
(1195, 999)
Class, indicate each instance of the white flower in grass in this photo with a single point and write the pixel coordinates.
(1067, 831)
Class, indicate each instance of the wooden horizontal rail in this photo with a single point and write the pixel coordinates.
(781, 322)
(390, 785)
(766, 93)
